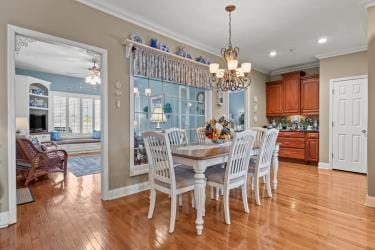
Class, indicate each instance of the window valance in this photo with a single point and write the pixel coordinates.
(154, 63)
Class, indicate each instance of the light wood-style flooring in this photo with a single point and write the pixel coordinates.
(312, 209)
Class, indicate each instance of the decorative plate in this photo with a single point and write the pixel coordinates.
(201, 59)
(164, 47)
(188, 55)
(136, 37)
(181, 52)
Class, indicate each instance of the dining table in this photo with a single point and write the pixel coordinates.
(202, 156)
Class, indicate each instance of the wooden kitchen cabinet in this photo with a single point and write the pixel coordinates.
(310, 95)
(301, 146)
(292, 93)
(274, 96)
(312, 148)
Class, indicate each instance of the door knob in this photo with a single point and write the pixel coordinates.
(364, 131)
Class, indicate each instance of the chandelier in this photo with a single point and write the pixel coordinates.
(94, 75)
(233, 77)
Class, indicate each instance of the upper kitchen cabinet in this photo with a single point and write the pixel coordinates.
(274, 97)
(292, 93)
(310, 95)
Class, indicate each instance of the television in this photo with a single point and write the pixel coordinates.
(38, 123)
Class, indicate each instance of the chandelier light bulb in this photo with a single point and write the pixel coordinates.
(246, 68)
(214, 68)
(232, 64)
(240, 72)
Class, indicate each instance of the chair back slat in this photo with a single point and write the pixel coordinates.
(176, 136)
(201, 135)
(160, 157)
(27, 149)
(239, 158)
(266, 151)
(260, 132)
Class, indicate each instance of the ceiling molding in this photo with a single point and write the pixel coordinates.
(341, 53)
(368, 3)
(144, 23)
(295, 68)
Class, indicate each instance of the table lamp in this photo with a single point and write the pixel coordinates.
(22, 125)
(158, 116)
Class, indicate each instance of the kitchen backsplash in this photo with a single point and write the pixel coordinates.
(295, 122)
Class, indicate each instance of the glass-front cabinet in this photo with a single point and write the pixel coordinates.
(159, 105)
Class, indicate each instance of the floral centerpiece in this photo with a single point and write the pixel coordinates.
(218, 131)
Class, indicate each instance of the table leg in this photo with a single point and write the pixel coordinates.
(275, 166)
(200, 197)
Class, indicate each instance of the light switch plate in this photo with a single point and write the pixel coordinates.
(255, 99)
(255, 119)
(255, 108)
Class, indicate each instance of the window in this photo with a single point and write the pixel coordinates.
(59, 111)
(97, 114)
(183, 106)
(87, 115)
(75, 113)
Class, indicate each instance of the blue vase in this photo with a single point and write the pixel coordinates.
(154, 43)
(55, 135)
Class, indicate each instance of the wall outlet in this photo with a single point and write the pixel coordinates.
(255, 108)
(255, 119)
(255, 99)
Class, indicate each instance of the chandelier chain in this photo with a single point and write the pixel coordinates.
(230, 30)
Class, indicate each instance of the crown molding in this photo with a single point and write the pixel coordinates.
(144, 23)
(368, 3)
(295, 68)
(341, 53)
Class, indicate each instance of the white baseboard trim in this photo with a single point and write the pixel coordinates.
(324, 165)
(370, 201)
(129, 190)
(4, 219)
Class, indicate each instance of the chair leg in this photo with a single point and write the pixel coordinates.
(212, 192)
(221, 191)
(226, 207)
(152, 203)
(268, 180)
(217, 193)
(252, 183)
(192, 199)
(257, 197)
(180, 200)
(173, 212)
(264, 179)
(244, 198)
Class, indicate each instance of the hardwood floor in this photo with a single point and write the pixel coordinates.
(311, 209)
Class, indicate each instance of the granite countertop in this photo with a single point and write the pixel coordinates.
(302, 130)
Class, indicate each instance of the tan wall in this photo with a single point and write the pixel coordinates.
(371, 103)
(331, 68)
(72, 20)
(258, 88)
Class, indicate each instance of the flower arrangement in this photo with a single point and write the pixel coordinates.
(218, 131)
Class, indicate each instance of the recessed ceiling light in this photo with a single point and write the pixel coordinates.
(273, 53)
(322, 40)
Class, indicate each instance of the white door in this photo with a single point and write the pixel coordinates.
(349, 124)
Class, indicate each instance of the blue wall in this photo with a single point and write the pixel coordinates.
(62, 83)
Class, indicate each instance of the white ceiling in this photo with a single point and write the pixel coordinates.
(259, 26)
(55, 58)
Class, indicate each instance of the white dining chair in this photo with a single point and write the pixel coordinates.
(235, 173)
(260, 132)
(164, 176)
(201, 135)
(261, 166)
(178, 137)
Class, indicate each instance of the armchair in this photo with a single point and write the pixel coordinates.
(33, 162)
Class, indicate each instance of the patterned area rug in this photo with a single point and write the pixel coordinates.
(84, 165)
(24, 196)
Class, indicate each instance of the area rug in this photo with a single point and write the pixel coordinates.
(24, 196)
(84, 165)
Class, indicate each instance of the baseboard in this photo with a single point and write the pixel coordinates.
(4, 219)
(370, 201)
(129, 190)
(324, 165)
